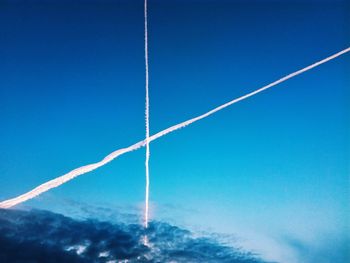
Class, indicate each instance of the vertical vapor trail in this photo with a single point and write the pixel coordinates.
(90, 167)
(147, 120)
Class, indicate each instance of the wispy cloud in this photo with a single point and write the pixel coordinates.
(330, 248)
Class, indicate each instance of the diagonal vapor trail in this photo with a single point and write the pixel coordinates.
(90, 167)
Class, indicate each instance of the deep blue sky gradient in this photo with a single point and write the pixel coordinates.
(72, 91)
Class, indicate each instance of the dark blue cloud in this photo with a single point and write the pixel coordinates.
(42, 236)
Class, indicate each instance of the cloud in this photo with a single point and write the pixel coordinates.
(42, 236)
(330, 248)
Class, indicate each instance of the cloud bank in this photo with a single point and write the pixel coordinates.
(42, 236)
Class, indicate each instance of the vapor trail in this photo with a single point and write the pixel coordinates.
(147, 119)
(87, 168)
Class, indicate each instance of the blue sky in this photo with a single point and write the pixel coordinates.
(72, 91)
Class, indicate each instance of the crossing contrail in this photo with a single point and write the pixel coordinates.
(147, 120)
(90, 167)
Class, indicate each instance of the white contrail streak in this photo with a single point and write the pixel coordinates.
(87, 168)
(147, 120)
